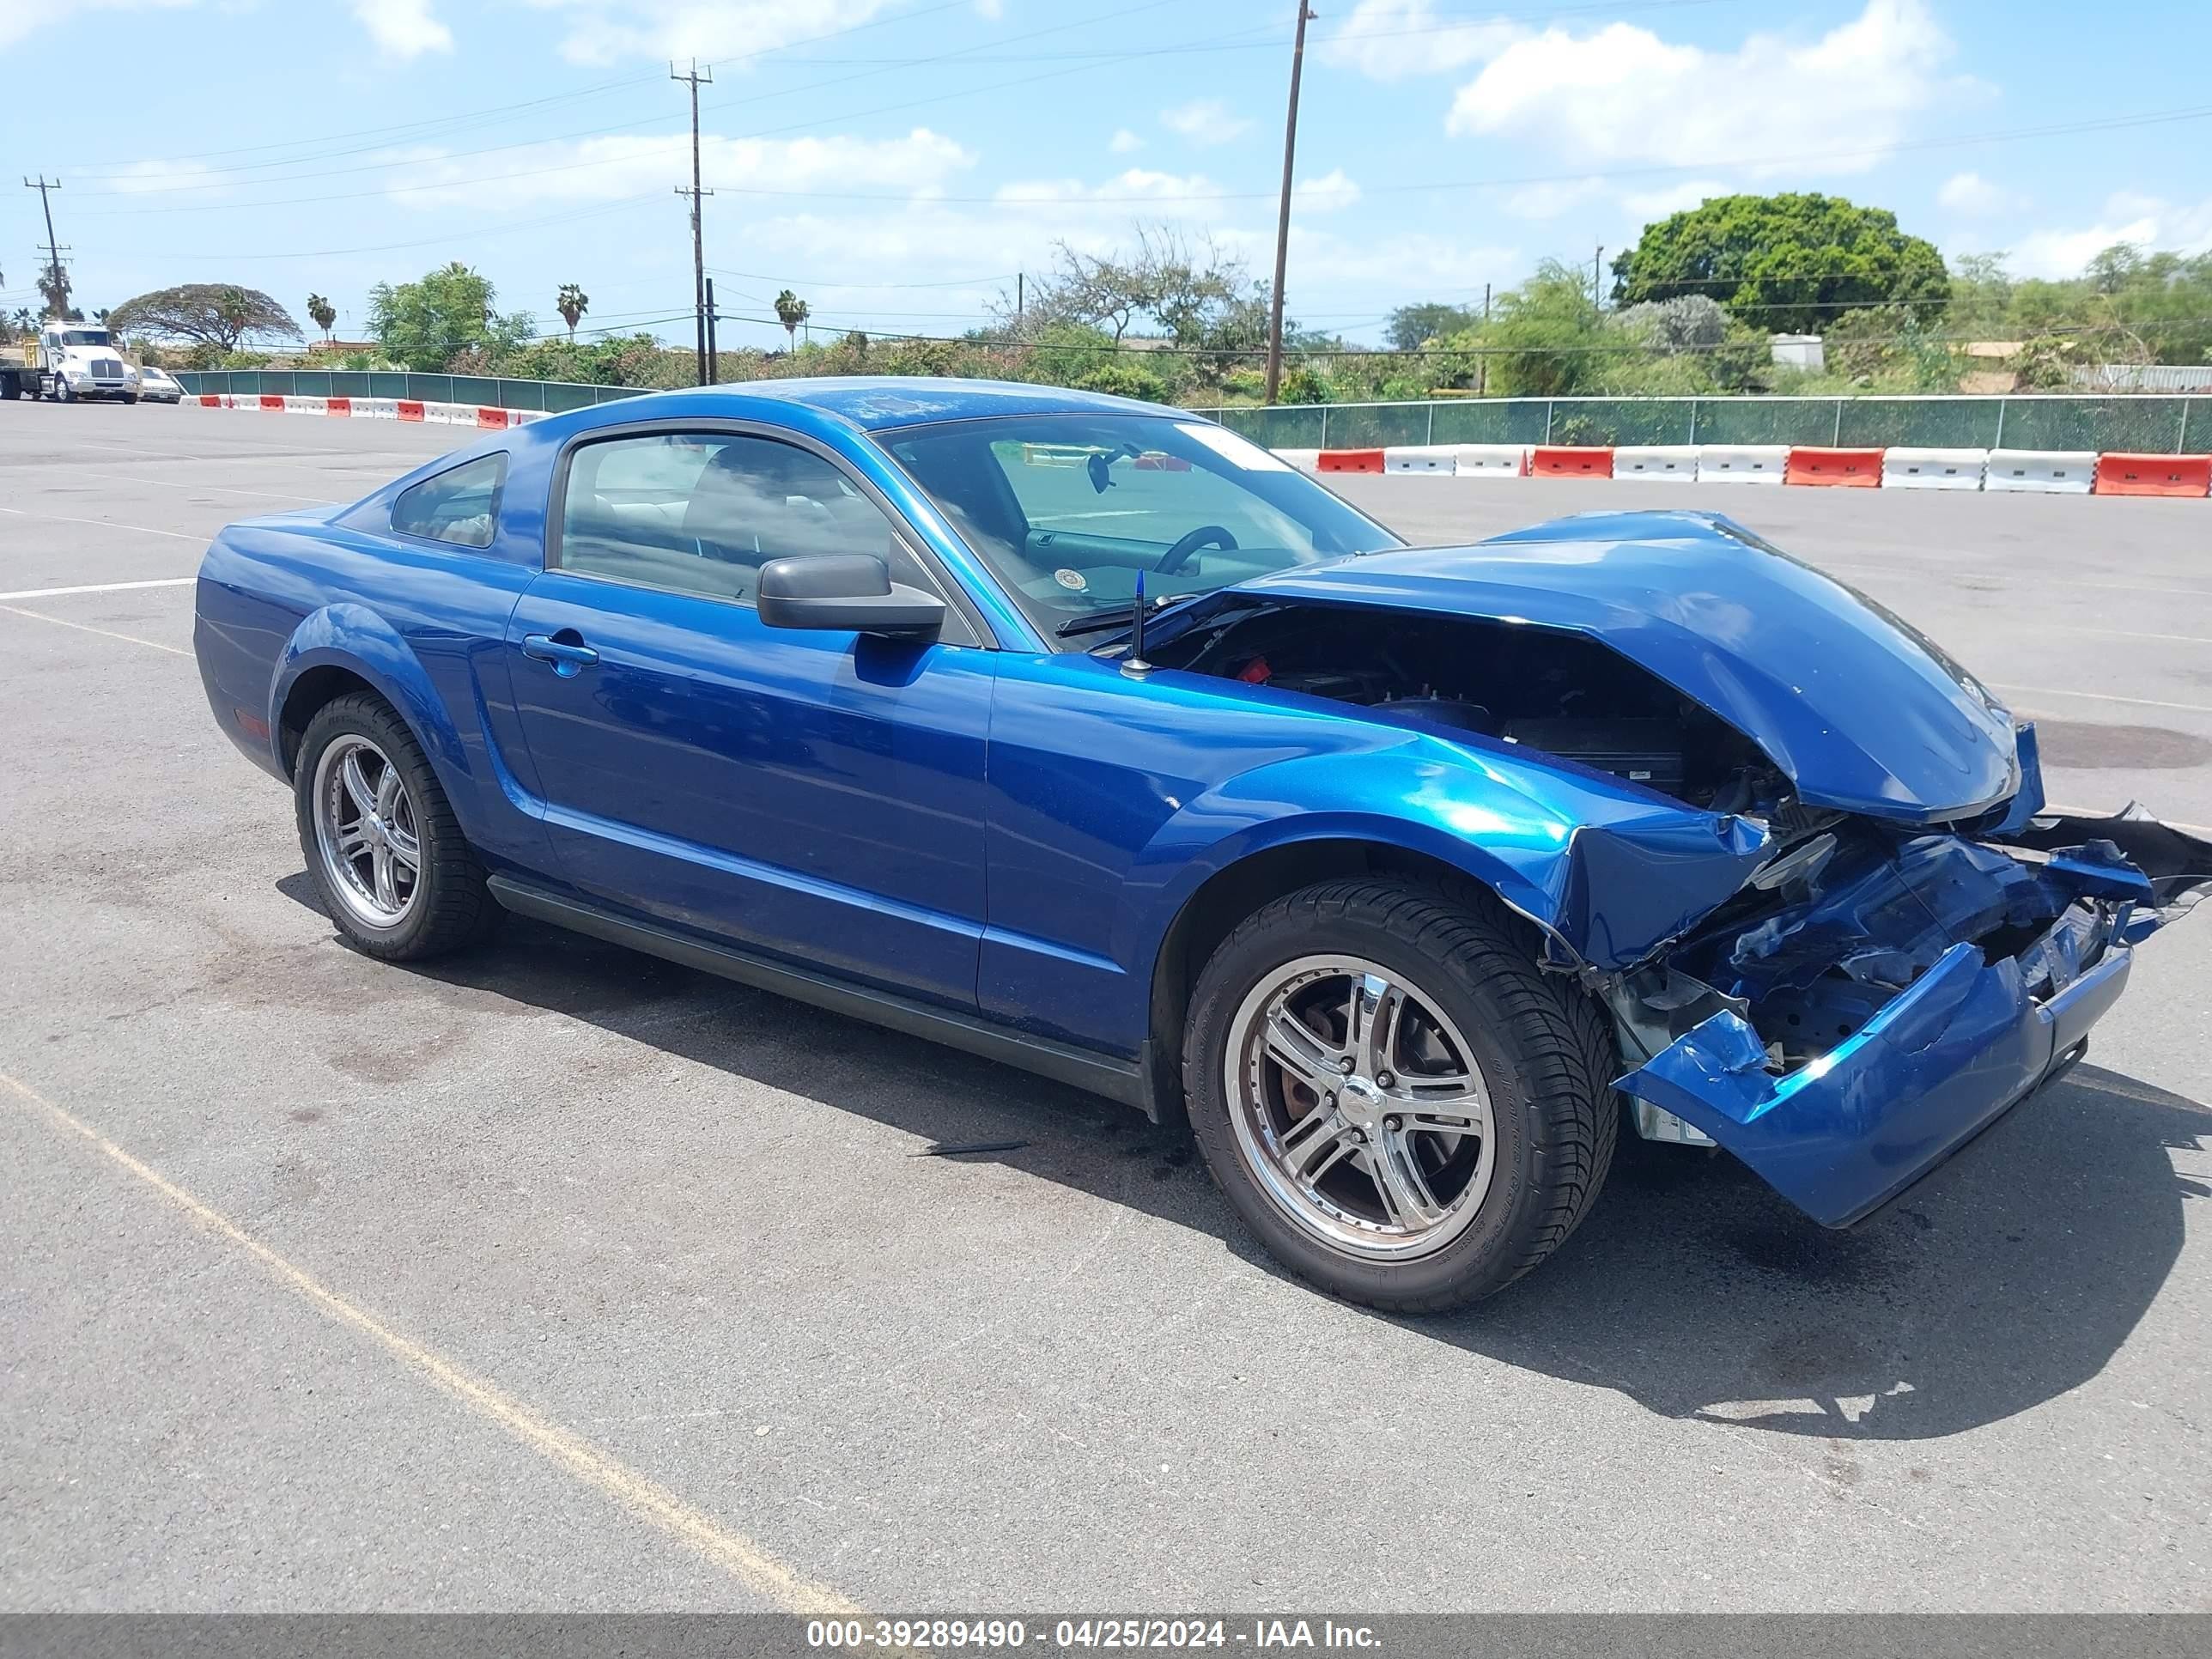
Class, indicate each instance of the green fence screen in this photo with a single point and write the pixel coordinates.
(2140, 425)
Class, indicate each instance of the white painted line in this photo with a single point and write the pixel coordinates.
(108, 524)
(98, 587)
(87, 627)
(2130, 634)
(219, 489)
(2034, 691)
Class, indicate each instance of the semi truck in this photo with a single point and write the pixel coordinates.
(67, 361)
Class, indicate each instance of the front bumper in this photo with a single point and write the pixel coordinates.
(1845, 1133)
(1945, 1057)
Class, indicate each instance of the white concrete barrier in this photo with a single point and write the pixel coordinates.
(1669, 463)
(450, 414)
(1306, 460)
(1490, 460)
(2045, 471)
(376, 409)
(307, 405)
(1932, 469)
(1747, 464)
(1436, 458)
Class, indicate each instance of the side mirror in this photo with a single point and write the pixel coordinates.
(845, 592)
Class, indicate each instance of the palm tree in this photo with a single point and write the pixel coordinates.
(234, 313)
(572, 304)
(791, 312)
(323, 313)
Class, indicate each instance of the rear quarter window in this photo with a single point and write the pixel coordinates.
(459, 506)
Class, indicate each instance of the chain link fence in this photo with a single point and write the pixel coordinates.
(2141, 425)
(2125, 424)
(551, 397)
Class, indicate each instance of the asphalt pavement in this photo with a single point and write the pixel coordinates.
(553, 1277)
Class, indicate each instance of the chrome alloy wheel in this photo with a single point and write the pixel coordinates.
(1359, 1108)
(366, 830)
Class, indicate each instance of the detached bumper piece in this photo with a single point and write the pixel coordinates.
(1929, 1066)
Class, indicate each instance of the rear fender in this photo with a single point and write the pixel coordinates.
(355, 638)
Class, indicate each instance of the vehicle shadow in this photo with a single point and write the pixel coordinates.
(2010, 1277)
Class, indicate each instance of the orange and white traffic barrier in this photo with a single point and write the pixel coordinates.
(1350, 460)
(1660, 463)
(1933, 469)
(1849, 469)
(1571, 461)
(1742, 464)
(2154, 475)
(2041, 471)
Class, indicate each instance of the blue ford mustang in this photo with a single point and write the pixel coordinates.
(1084, 734)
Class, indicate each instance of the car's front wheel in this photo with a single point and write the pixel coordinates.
(386, 851)
(1391, 1094)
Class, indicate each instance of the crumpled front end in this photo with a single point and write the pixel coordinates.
(1874, 999)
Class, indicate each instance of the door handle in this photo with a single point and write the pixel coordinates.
(566, 659)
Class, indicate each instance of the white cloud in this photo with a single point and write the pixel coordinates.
(606, 31)
(18, 18)
(1671, 199)
(1329, 193)
(1205, 121)
(2129, 216)
(1391, 39)
(1125, 143)
(1552, 197)
(402, 28)
(1624, 95)
(631, 164)
(1971, 193)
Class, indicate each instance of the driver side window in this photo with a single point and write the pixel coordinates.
(699, 513)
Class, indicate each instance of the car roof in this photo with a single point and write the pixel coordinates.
(878, 403)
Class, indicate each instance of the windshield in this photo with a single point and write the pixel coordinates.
(1067, 509)
(87, 337)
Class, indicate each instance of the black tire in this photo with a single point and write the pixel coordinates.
(1546, 1053)
(63, 392)
(129, 398)
(453, 907)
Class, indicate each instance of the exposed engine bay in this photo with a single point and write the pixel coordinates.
(1565, 694)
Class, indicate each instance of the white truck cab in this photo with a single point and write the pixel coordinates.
(80, 359)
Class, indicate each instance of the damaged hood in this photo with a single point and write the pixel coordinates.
(1863, 714)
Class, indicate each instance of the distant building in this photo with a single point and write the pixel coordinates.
(1802, 351)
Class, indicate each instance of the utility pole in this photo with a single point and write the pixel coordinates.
(1597, 259)
(1283, 219)
(1482, 363)
(714, 351)
(1021, 290)
(57, 301)
(698, 241)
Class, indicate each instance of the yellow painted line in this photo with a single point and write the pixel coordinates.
(87, 627)
(572, 1454)
(106, 524)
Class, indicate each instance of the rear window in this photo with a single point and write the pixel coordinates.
(458, 506)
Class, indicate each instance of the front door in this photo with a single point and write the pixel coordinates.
(817, 796)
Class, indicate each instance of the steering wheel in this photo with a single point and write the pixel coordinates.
(1206, 535)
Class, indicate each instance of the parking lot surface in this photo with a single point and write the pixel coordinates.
(554, 1277)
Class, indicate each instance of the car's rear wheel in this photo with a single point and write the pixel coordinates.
(386, 851)
(1405, 1108)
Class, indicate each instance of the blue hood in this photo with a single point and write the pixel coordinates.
(1861, 712)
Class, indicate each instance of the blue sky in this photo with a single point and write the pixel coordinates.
(896, 161)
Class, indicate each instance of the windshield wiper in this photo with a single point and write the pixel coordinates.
(1120, 616)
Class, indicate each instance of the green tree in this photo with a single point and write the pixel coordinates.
(791, 311)
(219, 315)
(572, 303)
(1788, 262)
(1547, 337)
(1411, 327)
(425, 325)
(322, 314)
